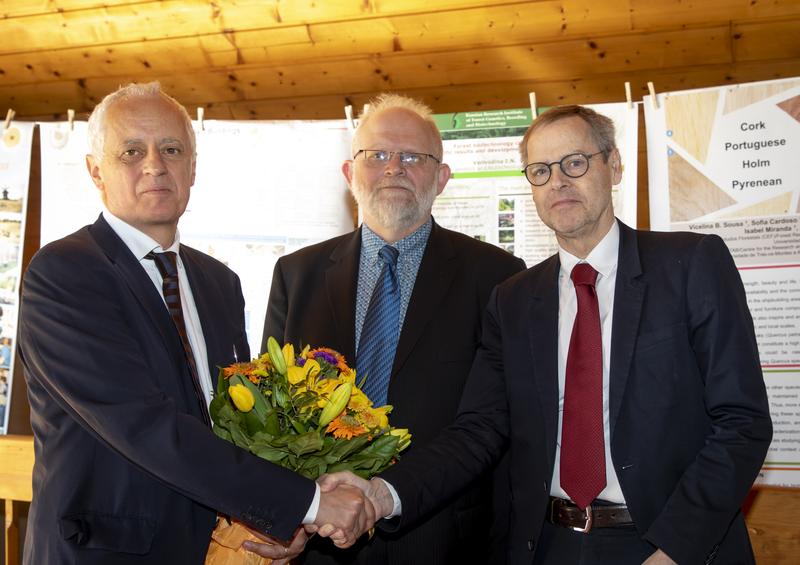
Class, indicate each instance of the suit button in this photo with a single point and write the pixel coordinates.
(531, 544)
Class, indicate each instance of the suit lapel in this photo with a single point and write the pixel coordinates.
(207, 300)
(341, 281)
(435, 275)
(543, 332)
(628, 299)
(136, 278)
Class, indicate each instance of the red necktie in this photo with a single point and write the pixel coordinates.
(583, 462)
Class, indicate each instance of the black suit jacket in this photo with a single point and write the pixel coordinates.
(689, 416)
(126, 471)
(313, 301)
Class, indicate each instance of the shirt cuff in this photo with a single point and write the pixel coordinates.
(397, 508)
(311, 515)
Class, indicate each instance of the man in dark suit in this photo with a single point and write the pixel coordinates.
(118, 364)
(321, 296)
(670, 410)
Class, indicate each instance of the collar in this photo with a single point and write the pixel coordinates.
(137, 241)
(371, 242)
(603, 258)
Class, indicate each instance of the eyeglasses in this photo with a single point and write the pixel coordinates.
(380, 158)
(574, 165)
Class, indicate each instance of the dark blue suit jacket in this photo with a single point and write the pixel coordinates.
(690, 422)
(313, 300)
(126, 471)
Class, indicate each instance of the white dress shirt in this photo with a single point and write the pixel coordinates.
(140, 245)
(603, 258)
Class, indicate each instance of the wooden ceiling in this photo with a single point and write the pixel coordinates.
(306, 59)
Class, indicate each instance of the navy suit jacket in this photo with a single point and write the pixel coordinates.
(689, 416)
(313, 300)
(126, 471)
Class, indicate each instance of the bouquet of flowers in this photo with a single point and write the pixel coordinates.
(303, 412)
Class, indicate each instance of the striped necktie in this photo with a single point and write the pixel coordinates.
(583, 456)
(167, 264)
(379, 334)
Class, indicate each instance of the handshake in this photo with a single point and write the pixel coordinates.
(349, 506)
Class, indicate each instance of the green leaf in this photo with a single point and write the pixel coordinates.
(303, 444)
(222, 382)
(219, 400)
(344, 447)
(273, 454)
(273, 425)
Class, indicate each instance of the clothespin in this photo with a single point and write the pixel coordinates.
(71, 119)
(653, 97)
(628, 96)
(532, 97)
(9, 116)
(200, 113)
(348, 114)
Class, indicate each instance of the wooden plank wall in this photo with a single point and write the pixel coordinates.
(306, 59)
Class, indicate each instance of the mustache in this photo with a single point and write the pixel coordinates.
(394, 183)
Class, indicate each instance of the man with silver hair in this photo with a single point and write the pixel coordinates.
(120, 327)
(438, 282)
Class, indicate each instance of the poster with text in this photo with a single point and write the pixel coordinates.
(15, 166)
(724, 160)
(262, 189)
(489, 198)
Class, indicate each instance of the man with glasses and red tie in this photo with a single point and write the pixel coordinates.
(622, 373)
(402, 298)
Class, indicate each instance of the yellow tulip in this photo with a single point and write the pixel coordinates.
(336, 404)
(242, 397)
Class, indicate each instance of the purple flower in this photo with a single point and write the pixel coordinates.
(327, 357)
(300, 361)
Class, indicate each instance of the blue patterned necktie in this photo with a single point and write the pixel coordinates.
(379, 334)
(167, 264)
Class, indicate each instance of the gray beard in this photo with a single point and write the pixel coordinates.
(397, 215)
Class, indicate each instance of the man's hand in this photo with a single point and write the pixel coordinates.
(375, 490)
(344, 514)
(279, 553)
(659, 558)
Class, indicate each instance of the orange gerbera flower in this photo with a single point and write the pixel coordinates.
(345, 426)
(240, 369)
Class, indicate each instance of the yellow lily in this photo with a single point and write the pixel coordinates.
(288, 354)
(336, 404)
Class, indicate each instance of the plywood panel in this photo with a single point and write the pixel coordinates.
(148, 21)
(658, 14)
(565, 60)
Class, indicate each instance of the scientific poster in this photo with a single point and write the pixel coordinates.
(489, 198)
(15, 165)
(259, 193)
(725, 160)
